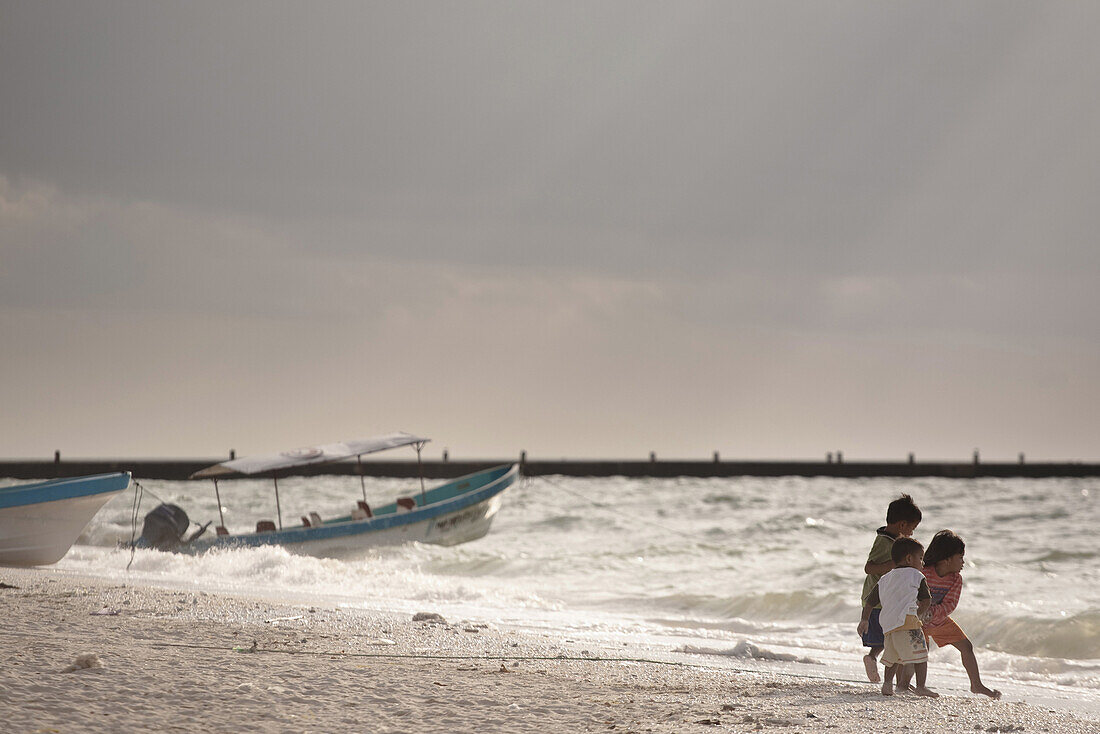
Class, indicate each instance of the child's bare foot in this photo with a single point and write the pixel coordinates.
(991, 692)
(926, 692)
(887, 689)
(905, 688)
(872, 668)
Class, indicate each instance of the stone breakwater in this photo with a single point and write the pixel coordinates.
(179, 469)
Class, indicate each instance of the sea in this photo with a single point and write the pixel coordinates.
(750, 574)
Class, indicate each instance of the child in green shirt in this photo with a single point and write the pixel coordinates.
(902, 518)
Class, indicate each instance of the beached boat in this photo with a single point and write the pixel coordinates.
(40, 522)
(457, 511)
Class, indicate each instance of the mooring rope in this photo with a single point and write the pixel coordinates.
(139, 495)
(139, 492)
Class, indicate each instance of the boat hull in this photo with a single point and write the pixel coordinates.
(40, 522)
(456, 512)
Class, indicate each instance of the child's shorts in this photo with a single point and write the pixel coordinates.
(905, 647)
(946, 634)
(873, 636)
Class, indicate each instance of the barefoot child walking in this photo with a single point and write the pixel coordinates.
(904, 599)
(902, 518)
(942, 563)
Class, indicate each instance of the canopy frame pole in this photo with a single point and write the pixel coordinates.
(278, 507)
(362, 482)
(420, 470)
(219, 496)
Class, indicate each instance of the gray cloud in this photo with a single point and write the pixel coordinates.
(775, 135)
(651, 205)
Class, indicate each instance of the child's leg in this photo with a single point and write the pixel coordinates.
(873, 638)
(970, 662)
(870, 663)
(888, 679)
(905, 674)
(922, 676)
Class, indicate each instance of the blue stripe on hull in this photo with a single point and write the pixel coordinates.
(62, 489)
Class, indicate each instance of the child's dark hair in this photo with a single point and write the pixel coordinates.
(903, 547)
(944, 545)
(903, 509)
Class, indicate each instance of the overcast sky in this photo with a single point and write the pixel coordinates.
(584, 229)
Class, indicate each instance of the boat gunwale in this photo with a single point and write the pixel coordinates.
(59, 490)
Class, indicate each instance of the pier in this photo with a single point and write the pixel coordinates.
(179, 469)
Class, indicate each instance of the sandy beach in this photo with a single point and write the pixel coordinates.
(83, 654)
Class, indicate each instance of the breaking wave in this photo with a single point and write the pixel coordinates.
(1074, 637)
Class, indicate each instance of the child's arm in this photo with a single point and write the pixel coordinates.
(924, 601)
(878, 569)
(878, 560)
(869, 603)
(865, 620)
(941, 611)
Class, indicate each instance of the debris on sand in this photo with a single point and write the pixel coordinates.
(84, 660)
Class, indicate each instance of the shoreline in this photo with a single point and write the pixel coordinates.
(169, 662)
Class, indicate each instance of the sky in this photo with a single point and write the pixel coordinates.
(585, 230)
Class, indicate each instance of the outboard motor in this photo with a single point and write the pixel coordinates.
(164, 528)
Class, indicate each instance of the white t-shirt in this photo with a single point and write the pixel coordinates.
(897, 591)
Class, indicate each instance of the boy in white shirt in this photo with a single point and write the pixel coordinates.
(905, 601)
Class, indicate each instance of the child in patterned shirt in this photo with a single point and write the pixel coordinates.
(942, 563)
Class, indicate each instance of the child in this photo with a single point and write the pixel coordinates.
(902, 518)
(904, 597)
(942, 564)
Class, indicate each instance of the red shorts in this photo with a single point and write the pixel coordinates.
(945, 634)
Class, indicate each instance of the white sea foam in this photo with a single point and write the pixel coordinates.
(746, 650)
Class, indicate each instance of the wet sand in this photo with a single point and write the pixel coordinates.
(82, 654)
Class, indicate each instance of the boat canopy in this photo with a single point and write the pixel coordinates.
(309, 455)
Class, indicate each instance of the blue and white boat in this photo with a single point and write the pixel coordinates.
(456, 511)
(40, 522)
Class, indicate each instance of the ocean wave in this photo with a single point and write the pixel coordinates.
(740, 626)
(106, 534)
(481, 564)
(748, 651)
(1041, 668)
(1056, 556)
(384, 578)
(793, 605)
(721, 549)
(733, 500)
(559, 522)
(1032, 517)
(1074, 637)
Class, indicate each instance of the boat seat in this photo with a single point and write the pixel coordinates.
(221, 530)
(408, 504)
(362, 512)
(265, 526)
(315, 520)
